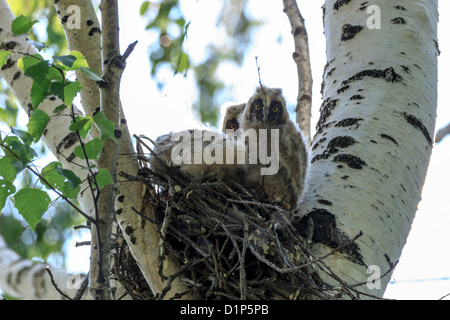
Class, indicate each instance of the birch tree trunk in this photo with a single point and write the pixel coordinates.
(374, 137)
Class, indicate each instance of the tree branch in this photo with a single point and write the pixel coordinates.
(99, 282)
(26, 279)
(301, 58)
(442, 133)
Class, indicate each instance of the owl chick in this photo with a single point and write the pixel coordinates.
(231, 120)
(266, 113)
(199, 154)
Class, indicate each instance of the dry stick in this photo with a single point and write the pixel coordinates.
(242, 274)
(82, 289)
(301, 58)
(264, 117)
(54, 284)
(442, 133)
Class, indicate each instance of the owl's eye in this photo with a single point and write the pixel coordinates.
(275, 109)
(233, 126)
(257, 107)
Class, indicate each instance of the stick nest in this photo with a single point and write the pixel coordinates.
(229, 244)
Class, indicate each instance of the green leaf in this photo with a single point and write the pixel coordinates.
(66, 91)
(103, 178)
(37, 124)
(17, 152)
(71, 90)
(91, 74)
(105, 126)
(73, 61)
(31, 204)
(38, 92)
(61, 179)
(38, 45)
(57, 88)
(71, 178)
(25, 136)
(82, 125)
(183, 63)
(66, 60)
(92, 149)
(10, 166)
(23, 151)
(22, 24)
(37, 69)
(60, 108)
(7, 170)
(144, 7)
(4, 57)
(80, 61)
(28, 62)
(6, 188)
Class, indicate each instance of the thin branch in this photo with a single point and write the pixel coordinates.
(442, 133)
(100, 287)
(54, 284)
(129, 51)
(301, 58)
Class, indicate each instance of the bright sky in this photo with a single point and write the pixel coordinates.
(425, 258)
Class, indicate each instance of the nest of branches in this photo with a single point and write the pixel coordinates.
(229, 243)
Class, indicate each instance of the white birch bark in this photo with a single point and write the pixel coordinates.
(25, 279)
(58, 139)
(374, 135)
(83, 33)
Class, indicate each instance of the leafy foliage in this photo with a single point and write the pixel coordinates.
(49, 79)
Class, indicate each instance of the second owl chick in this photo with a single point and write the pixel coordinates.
(231, 120)
(266, 110)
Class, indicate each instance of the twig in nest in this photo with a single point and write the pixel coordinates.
(210, 225)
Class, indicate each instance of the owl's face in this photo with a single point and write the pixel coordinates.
(265, 109)
(232, 117)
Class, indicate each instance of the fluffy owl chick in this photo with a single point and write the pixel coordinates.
(199, 154)
(266, 112)
(231, 120)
